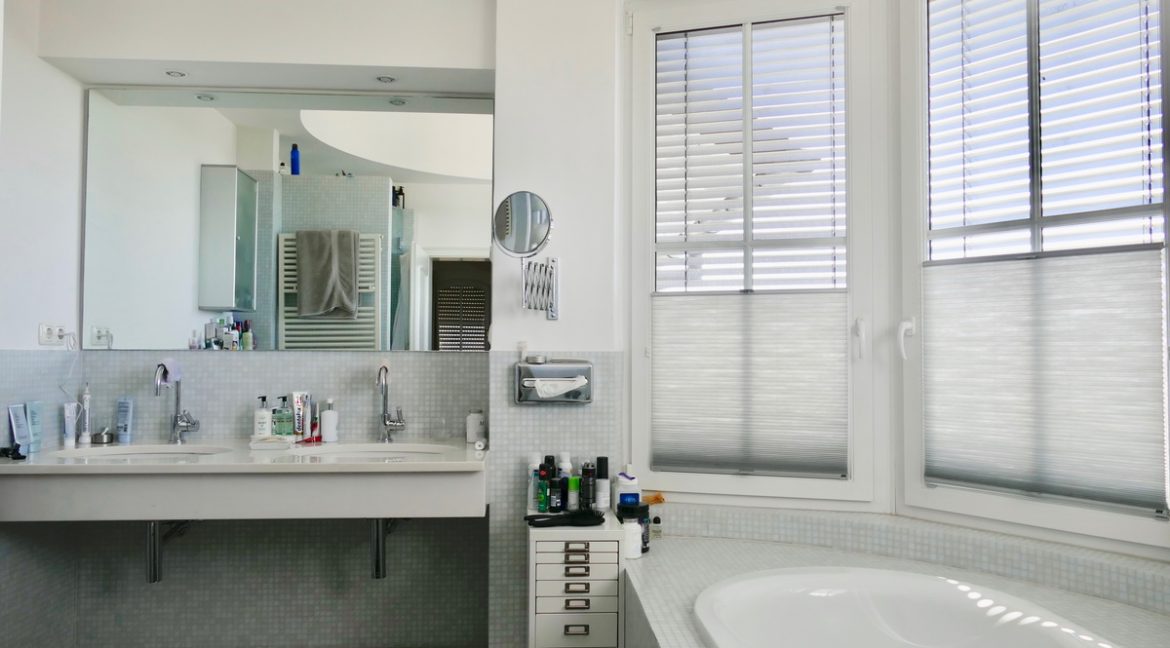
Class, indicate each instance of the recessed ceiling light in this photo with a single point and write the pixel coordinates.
(176, 74)
(397, 101)
(204, 97)
(385, 79)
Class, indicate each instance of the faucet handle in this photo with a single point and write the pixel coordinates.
(398, 412)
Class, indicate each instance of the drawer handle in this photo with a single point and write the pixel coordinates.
(578, 630)
(576, 588)
(577, 570)
(576, 604)
(577, 558)
(576, 547)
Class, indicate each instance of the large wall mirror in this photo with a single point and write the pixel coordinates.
(204, 230)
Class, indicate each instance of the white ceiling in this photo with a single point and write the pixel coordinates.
(376, 154)
(345, 78)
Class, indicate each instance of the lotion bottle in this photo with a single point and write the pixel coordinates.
(262, 419)
(329, 423)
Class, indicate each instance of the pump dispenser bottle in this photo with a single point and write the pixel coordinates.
(262, 419)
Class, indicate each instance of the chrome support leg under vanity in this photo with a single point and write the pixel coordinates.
(379, 529)
(155, 537)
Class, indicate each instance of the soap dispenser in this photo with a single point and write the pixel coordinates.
(282, 418)
(262, 419)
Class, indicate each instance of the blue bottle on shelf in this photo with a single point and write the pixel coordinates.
(295, 160)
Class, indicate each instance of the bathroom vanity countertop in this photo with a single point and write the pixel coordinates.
(234, 456)
(669, 579)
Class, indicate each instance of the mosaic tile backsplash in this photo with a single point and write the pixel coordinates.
(516, 430)
(242, 583)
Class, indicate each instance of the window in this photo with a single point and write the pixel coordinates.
(1043, 286)
(750, 309)
(461, 301)
(1045, 126)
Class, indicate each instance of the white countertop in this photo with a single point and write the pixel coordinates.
(677, 569)
(442, 457)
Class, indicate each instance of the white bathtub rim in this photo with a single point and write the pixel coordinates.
(716, 635)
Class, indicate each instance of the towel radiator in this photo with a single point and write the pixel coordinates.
(362, 333)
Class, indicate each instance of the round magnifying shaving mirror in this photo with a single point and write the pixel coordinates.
(522, 224)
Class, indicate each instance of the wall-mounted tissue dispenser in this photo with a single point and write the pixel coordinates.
(554, 381)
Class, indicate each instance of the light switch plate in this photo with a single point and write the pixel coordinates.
(100, 338)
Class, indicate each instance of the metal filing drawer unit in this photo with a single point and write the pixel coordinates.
(574, 586)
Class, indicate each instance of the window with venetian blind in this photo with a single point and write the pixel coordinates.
(1044, 351)
(749, 333)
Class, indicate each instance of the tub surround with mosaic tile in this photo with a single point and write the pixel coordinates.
(662, 587)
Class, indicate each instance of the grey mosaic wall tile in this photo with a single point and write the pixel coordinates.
(302, 583)
(516, 430)
(285, 583)
(435, 390)
(38, 587)
(1133, 581)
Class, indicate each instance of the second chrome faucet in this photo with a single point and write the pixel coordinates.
(391, 423)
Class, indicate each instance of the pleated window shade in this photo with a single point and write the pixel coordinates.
(750, 346)
(1044, 310)
(1047, 376)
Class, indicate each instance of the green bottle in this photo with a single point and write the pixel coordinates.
(282, 418)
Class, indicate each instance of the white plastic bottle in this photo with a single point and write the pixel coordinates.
(564, 466)
(262, 419)
(329, 423)
(631, 538)
(476, 426)
(626, 489)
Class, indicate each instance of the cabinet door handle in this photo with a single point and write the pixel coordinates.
(576, 588)
(577, 570)
(576, 604)
(579, 630)
(577, 558)
(576, 547)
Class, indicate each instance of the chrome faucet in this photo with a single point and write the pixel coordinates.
(390, 423)
(182, 422)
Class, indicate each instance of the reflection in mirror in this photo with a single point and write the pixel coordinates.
(192, 222)
(522, 224)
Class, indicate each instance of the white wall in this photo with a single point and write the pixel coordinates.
(256, 148)
(451, 216)
(40, 185)
(557, 72)
(142, 219)
(403, 33)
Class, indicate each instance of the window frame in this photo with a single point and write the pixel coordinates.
(1060, 520)
(1036, 221)
(868, 488)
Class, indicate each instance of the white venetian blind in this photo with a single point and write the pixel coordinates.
(1046, 376)
(753, 379)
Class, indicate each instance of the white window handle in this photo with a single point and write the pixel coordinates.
(862, 333)
(906, 328)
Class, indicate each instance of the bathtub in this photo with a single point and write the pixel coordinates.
(854, 607)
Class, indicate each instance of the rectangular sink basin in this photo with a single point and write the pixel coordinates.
(140, 452)
(368, 452)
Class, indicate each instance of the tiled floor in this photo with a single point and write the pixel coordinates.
(677, 569)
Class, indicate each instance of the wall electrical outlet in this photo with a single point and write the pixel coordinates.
(51, 334)
(100, 337)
